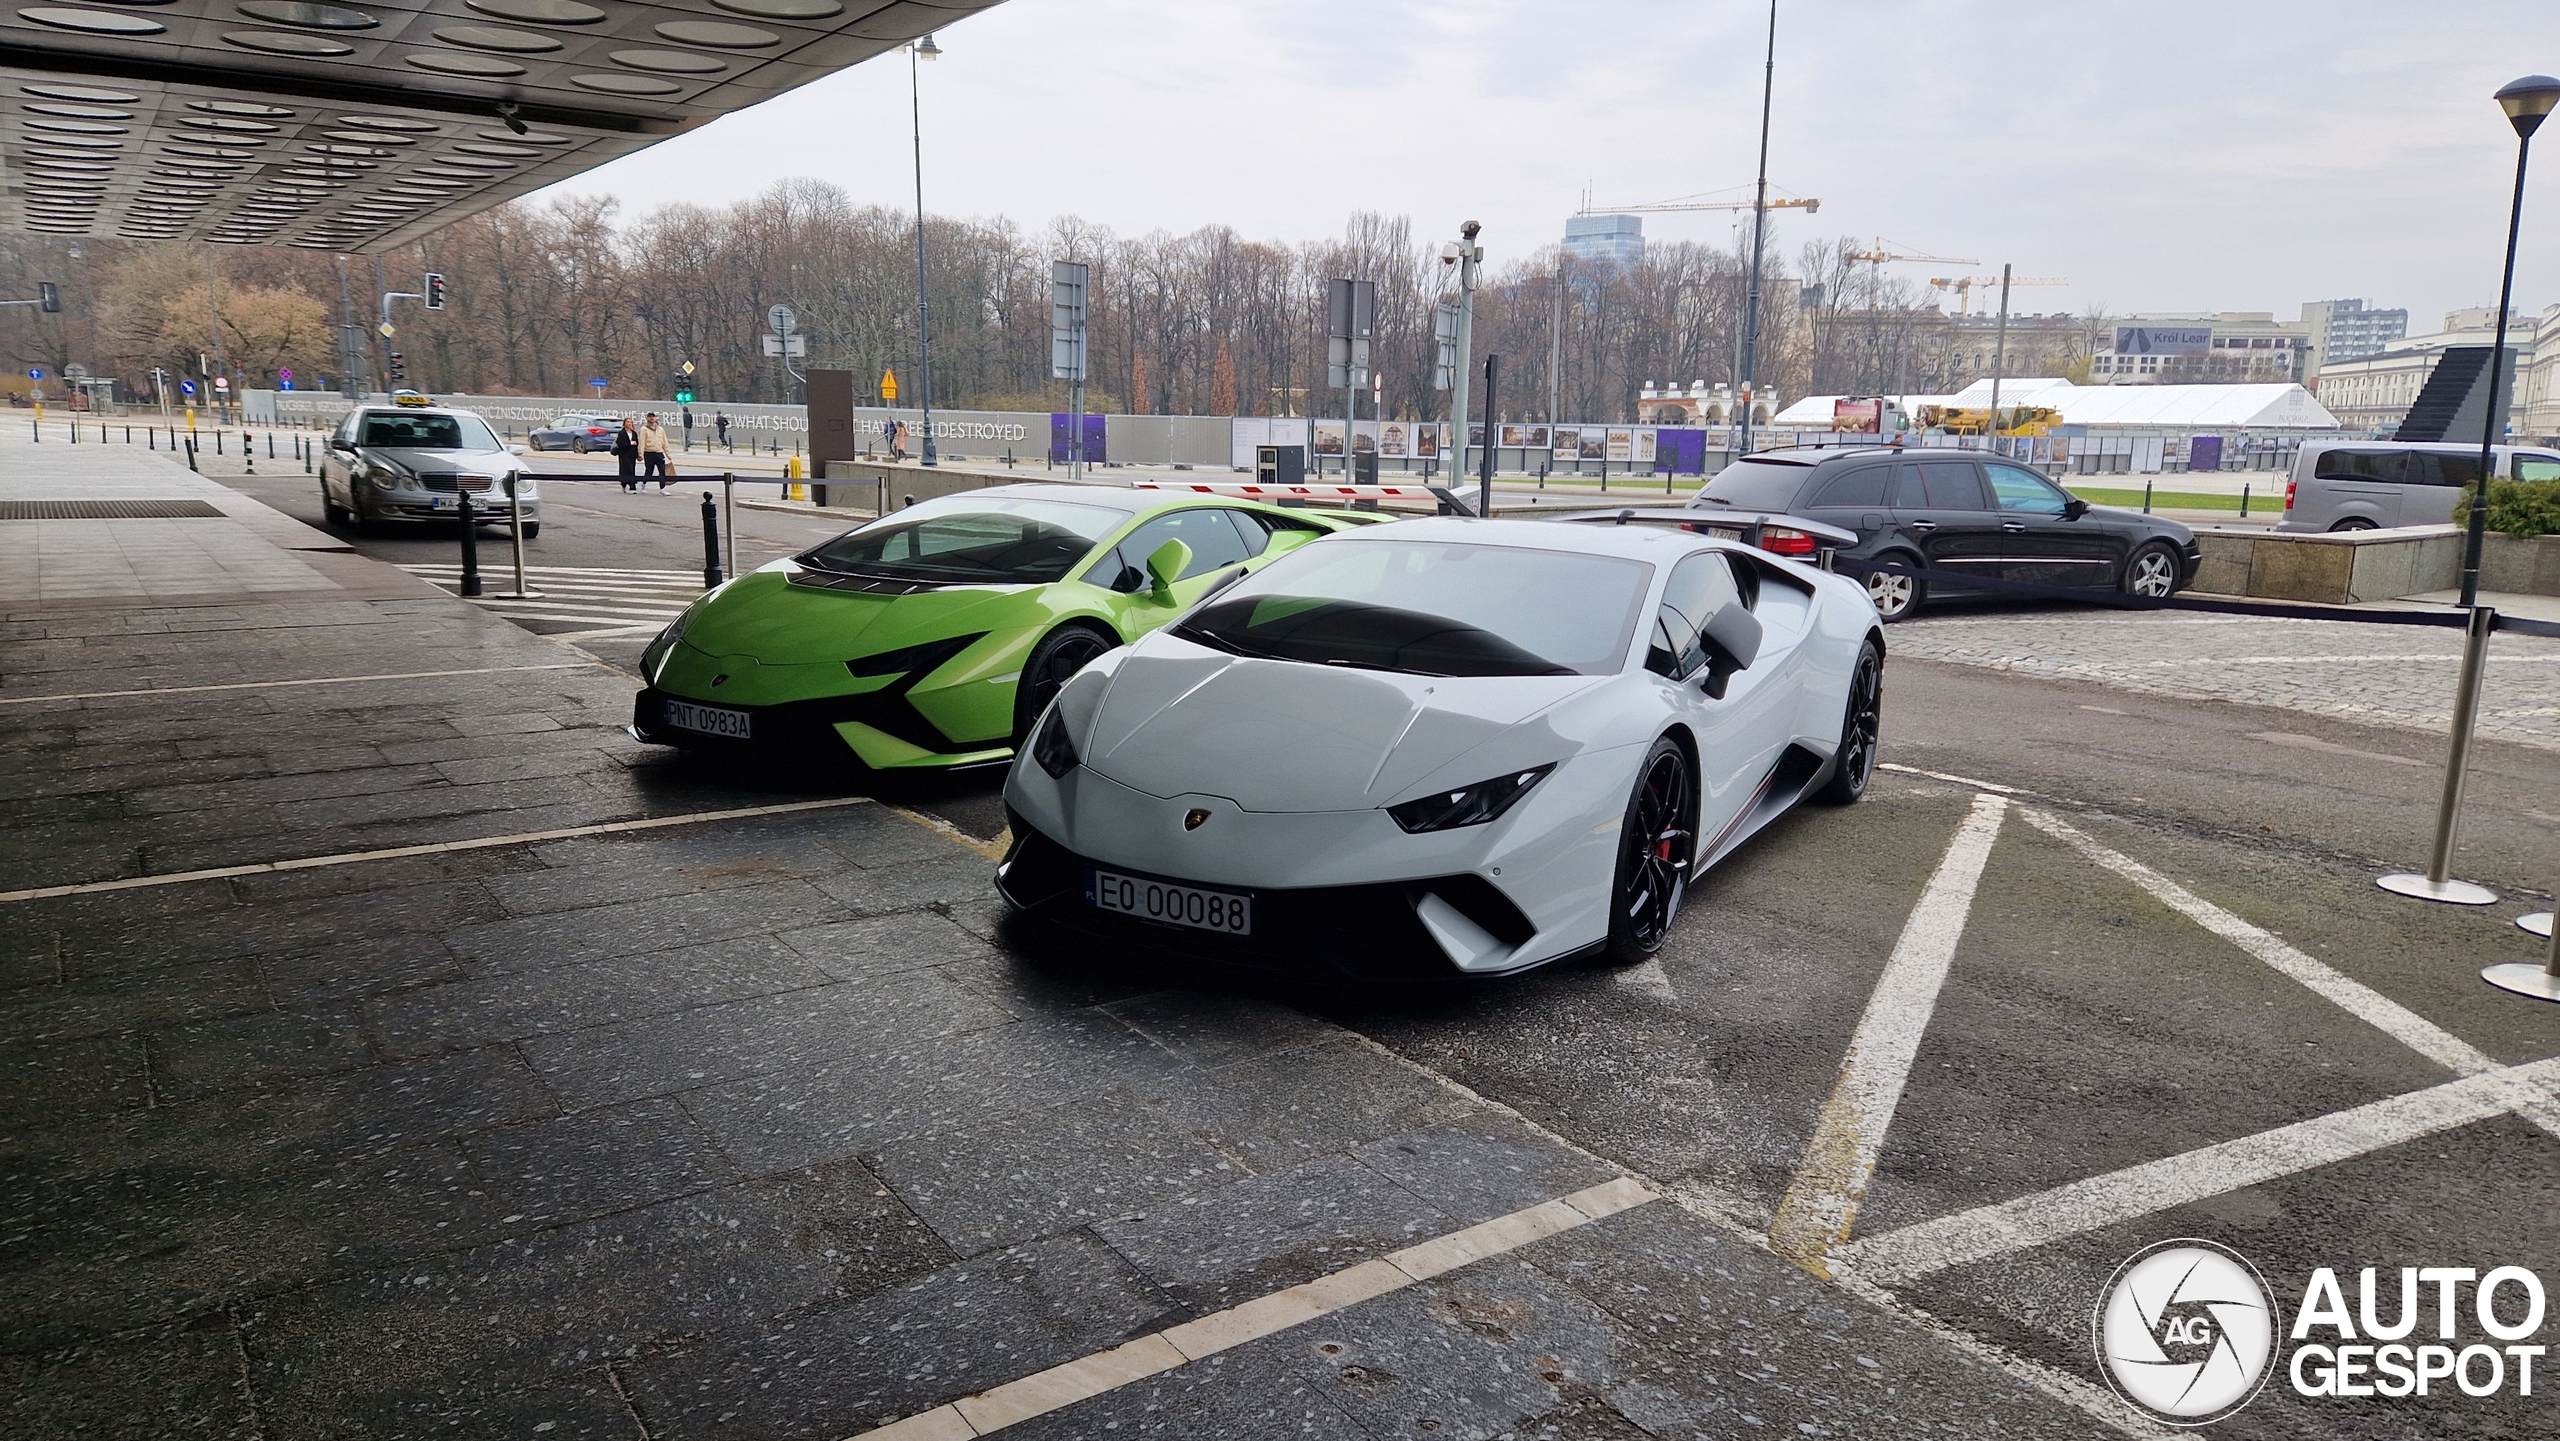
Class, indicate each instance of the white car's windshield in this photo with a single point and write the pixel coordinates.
(1432, 608)
(966, 539)
(396, 430)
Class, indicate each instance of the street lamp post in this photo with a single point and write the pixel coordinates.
(1759, 234)
(2527, 102)
(923, 49)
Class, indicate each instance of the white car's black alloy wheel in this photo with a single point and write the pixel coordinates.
(1653, 854)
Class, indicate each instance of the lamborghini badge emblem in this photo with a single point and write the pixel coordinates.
(1195, 819)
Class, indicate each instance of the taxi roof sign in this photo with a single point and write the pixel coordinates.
(409, 397)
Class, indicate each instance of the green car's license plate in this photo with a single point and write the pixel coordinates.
(708, 720)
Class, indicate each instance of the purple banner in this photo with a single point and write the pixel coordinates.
(1060, 434)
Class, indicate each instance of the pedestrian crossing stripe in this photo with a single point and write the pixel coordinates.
(612, 597)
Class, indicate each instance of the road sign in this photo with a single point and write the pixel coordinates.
(1351, 308)
(889, 384)
(284, 372)
(688, 367)
(782, 318)
(186, 387)
(35, 372)
(1445, 333)
(598, 382)
(387, 331)
(284, 382)
(222, 382)
(1067, 281)
(48, 297)
(786, 345)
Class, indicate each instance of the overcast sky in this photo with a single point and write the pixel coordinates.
(2162, 155)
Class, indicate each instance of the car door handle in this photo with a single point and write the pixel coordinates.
(1922, 524)
(2013, 525)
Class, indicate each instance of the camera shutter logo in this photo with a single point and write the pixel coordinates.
(2186, 1331)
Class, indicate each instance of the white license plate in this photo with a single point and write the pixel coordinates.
(441, 502)
(707, 720)
(1172, 905)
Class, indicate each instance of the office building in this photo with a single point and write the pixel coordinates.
(1613, 239)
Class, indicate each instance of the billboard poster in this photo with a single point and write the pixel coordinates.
(1568, 442)
(1328, 438)
(1426, 440)
(1524, 437)
(1364, 438)
(1391, 441)
(2163, 339)
(1644, 447)
(1622, 444)
(1475, 435)
(1595, 443)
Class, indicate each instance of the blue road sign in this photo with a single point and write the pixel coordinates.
(285, 382)
(35, 372)
(186, 387)
(598, 382)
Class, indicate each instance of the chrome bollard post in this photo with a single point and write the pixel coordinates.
(2434, 885)
(2541, 982)
(729, 518)
(515, 538)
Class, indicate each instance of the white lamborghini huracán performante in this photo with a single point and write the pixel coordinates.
(1448, 746)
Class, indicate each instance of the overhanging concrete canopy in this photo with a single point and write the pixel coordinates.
(356, 126)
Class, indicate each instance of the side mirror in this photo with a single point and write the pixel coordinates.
(1732, 636)
(1165, 565)
(2074, 508)
(515, 450)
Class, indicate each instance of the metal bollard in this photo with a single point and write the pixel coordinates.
(2244, 500)
(2541, 982)
(217, 442)
(2434, 886)
(191, 455)
(729, 517)
(2146, 495)
(470, 548)
(271, 445)
(151, 433)
(515, 541)
(710, 541)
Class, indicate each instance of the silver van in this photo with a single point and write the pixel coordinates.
(2376, 484)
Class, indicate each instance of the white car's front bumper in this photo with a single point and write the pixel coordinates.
(1346, 891)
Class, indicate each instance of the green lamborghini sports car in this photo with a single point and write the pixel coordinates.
(935, 635)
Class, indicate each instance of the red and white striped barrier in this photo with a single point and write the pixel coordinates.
(1292, 492)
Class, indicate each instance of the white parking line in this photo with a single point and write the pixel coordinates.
(1089, 1376)
(1995, 789)
(1902, 1256)
(349, 858)
(266, 684)
(1822, 1201)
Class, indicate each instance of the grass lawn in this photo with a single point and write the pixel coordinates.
(2176, 499)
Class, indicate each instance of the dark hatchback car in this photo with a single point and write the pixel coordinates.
(1957, 511)
(580, 433)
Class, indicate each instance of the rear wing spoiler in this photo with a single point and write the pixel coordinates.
(1769, 530)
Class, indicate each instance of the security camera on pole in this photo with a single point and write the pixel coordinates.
(1468, 256)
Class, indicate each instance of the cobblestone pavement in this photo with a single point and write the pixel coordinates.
(2376, 674)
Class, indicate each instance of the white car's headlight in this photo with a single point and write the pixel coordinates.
(1474, 805)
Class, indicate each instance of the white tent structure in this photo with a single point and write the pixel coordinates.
(2088, 409)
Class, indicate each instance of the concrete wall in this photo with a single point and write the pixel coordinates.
(2341, 568)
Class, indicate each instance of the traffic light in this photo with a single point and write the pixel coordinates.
(48, 297)
(399, 368)
(684, 392)
(435, 291)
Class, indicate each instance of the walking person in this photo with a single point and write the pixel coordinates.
(653, 451)
(720, 423)
(626, 452)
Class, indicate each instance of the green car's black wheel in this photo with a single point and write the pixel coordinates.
(1058, 656)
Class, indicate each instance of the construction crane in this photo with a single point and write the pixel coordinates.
(1696, 202)
(1963, 285)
